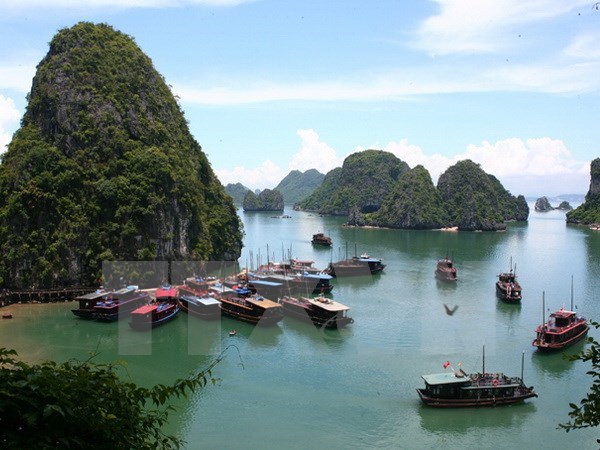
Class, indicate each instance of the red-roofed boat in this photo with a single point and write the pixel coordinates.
(159, 312)
(562, 329)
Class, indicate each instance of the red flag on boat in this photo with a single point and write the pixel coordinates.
(446, 364)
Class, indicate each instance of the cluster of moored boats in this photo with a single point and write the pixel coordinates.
(456, 388)
(245, 297)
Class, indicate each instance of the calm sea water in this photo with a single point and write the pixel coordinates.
(295, 387)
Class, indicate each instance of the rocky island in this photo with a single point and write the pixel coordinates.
(266, 200)
(104, 167)
(588, 213)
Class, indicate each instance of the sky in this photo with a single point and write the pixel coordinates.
(270, 86)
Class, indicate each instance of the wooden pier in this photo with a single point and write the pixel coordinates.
(9, 296)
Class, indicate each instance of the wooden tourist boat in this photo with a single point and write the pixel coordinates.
(152, 315)
(354, 267)
(87, 303)
(445, 270)
(321, 311)
(321, 239)
(508, 288)
(299, 283)
(459, 389)
(194, 286)
(562, 329)
(254, 309)
(119, 304)
(205, 307)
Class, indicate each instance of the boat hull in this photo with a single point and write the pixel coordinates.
(554, 346)
(213, 313)
(83, 313)
(469, 403)
(260, 320)
(503, 294)
(142, 325)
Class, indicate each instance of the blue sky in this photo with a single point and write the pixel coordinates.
(274, 85)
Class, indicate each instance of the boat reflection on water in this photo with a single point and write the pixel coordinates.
(554, 364)
(448, 422)
(255, 336)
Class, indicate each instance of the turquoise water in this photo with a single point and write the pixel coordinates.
(293, 386)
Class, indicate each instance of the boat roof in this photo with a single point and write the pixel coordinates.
(366, 258)
(563, 313)
(487, 386)
(317, 276)
(304, 262)
(166, 291)
(327, 304)
(266, 283)
(262, 302)
(435, 379)
(206, 301)
(93, 295)
(145, 309)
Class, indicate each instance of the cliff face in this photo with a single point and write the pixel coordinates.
(362, 182)
(589, 212)
(105, 168)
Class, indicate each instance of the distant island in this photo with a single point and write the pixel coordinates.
(266, 200)
(542, 204)
(296, 185)
(375, 188)
(588, 213)
(237, 191)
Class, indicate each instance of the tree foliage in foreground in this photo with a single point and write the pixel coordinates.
(587, 414)
(83, 404)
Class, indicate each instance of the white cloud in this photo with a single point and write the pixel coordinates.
(540, 166)
(475, 26)
(585, 46)
(314, 154)
(267, 175)
(9, 119)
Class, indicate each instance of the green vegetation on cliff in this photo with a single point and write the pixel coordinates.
(237, 192)
(476, 200)
(362, 182)
(105, 168)
(589, 211)
(296, 185)
(267, 200)
(413, 203)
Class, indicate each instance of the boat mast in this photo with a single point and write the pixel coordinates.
(543, 308)
(571, 292)
(522, 364)
(483, 368)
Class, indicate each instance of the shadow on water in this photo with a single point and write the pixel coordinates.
(555, 364)
(316, 337)
(508, 310)
(448, 421)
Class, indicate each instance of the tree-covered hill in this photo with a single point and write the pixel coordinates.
(296, 185)
(589, 211)
(266, 200)
(104, 168)
(237, 191)
(362, 182)
(476, 200)
(413, 203)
